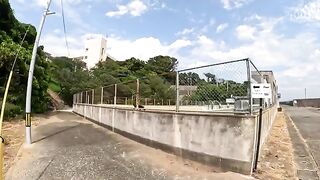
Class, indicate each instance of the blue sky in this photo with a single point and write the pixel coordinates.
(278, 35)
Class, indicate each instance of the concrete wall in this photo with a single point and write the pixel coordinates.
(268, 117)
(225, 141)
(308, 102)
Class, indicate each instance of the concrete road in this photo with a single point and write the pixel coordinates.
(66, 146)
(307, 121)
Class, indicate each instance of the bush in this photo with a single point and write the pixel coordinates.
(11, 110)
(54, 86)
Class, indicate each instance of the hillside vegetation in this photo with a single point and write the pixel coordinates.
(11, 34)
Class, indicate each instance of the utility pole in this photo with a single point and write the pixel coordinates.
(138, 94)
(305, 93)
(30, 76)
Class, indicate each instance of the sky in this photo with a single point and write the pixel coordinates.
(278, 35)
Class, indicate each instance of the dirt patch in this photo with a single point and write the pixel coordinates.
(276, 160)
(13, 133)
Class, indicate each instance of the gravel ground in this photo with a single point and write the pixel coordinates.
(13, 133)
(276, 160)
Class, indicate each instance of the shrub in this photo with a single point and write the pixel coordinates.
(11, 111)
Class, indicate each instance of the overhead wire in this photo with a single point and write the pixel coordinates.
(16, 57)
(64, 27)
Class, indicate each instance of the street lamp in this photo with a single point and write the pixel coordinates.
(30, 76)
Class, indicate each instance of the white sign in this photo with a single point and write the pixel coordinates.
(261, 90)
(230, 100)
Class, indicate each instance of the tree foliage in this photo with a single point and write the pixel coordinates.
(11, 35)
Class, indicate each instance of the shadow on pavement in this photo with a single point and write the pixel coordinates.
(55, 133)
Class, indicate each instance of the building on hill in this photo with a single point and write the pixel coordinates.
(95, 50)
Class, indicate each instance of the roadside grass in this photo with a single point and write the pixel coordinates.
(276, 160)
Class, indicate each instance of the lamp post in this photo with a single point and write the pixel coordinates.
(30, 76)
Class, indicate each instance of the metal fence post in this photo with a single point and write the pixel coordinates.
(81, 95)
(115, 94)
(132, 100)
(259, 136)
(138, 94)
(86, 97)
(177, 91)
(92, 95)
(249, 85)
(101, 98)
(77, 98)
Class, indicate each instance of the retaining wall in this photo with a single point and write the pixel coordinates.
(315, 102)
(226, 141)
(268, 117)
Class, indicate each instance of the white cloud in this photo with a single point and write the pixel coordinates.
(144, 47)
(309, 11)
(221, 27)
(55, 44)
(245, 32)
(185, 31)
(206, 28)
(177, 45)
(233, 4)
(253, 17)
(134, 8)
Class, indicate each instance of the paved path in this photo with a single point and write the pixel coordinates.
(66, 146)
(307, 122)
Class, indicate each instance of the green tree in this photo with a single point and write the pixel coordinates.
(190, 79)
(164, 66)
(211, 78)
(11, 34)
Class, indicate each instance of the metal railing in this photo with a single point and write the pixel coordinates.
(220, 87)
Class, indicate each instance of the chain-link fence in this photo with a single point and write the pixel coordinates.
(151, 92)
(221, 87)
(217, 87)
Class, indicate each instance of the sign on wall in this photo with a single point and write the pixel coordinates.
(262, 90)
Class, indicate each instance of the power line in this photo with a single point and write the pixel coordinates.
(64, 27)
(16, 57)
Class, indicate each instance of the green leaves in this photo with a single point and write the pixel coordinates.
(11, 34)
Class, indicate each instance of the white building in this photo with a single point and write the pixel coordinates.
(95, 51)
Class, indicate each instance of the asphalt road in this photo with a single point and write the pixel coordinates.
(66, 146)
(307, 121)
